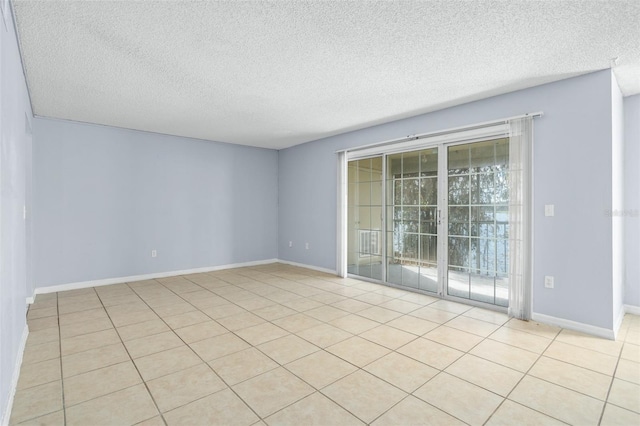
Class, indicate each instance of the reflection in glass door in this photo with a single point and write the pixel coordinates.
(478, 231)
(412, 228)
(364, 215)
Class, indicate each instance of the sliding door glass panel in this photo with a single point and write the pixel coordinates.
(364, 215)
(478, 226)
(412, 200)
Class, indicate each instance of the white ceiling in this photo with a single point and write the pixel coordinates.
(276, 74)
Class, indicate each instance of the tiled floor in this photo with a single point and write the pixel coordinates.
(277, 344)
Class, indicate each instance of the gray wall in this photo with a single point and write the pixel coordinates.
(15, 142)
(632, 200)
(105, 197)
(573, 170)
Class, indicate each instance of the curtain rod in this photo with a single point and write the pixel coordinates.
(441, 132)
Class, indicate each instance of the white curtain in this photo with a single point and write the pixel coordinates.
(520, 180)
(341, 220)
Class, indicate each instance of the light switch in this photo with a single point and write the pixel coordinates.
(549, 210)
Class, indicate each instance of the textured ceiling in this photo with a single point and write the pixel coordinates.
(276, 74)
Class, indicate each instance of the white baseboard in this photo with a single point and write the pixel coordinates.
(576, 326)
(302, 265)
(633, 310)
(14, 379)
(119, 280)
(617, 322)
(30, 300)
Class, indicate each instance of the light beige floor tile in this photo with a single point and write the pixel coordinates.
(320, 368)
(506, 355)
(354, 324)
(488, 375)
(326, 313)
(414, 325)
(358, 351)
(573, 377)
(43, 323)
(324, 335)
(625, 394)
(372, 298)
(142, 329)
(453, 307)
(520, 339)
(315, 409)
(153, 421)
(53, 419)
(36, 402)
(253, 303)
(166, 362)
(494, 317)
(186, 319)
(223, 311)
(172, 308)
(274, 312)
(467, 402)
(364, 395)
(287, 349)
(88, 341)
(472, 325)
(453, 338)
(100, 382)
(39, 373)
(633, 335)
(127, 308)
(240, 321)
(222, 408)
(42, 313)
(616, 416)
(152, 344)
(511, 413)
(434, 315)
(93, 359)
(379, 314)
(127, 406)
(399, 305)
(421, 299)
(598, 344)
(127, 318)
(261, 333)
(581, 357)
(414, 412)
(302, 304)
(296, 323)
(84, 316)
(43, 336)
(401, 371)
(629, 371)
(200, 294)
(208, 302)
(272, 391)
(243, 365)
(629, 351)
(79, 306)
(388, 337)
(184, 386)
(219, 346)
(431, 353)
(558, 402)
(76, 329)
(351, 305)
(533, 327)
(41, 352)
(201, 331)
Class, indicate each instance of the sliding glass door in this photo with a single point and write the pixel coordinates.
(444, 211)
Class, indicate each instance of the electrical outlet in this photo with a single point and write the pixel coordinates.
(154, 253)
(549, 210)
(548, 281)
(290, 243)
(306, 246)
